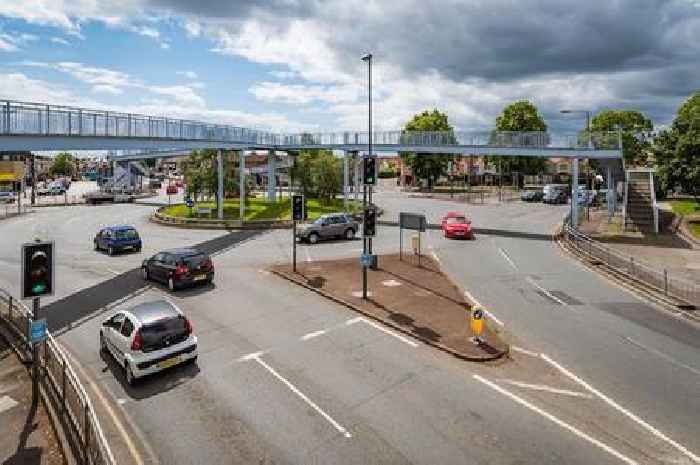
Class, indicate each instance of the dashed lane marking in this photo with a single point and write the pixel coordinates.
(545, 388)
(312, 335)
(555, 420)
(685, 451)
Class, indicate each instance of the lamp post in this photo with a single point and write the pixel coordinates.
(367, 241)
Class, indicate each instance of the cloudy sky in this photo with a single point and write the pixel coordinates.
(293, 65)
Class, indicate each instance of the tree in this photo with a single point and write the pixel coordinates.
(327, 175)
(301, 171)
(63, 165)
(428, 166)
(630, 122)
(520, 116)
(677, 150)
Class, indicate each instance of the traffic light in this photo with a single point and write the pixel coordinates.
(297, 207)
(370, 170)
(369, 224)
(37, 269)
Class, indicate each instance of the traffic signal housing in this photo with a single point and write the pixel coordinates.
(369, 224)
(298, 207)
(37, 269)
(370, 170)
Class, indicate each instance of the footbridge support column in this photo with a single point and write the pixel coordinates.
(346, 180)
(574, 193)
(220, 184)
(271, 176)
(241, 184)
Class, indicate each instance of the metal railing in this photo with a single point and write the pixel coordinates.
(662, 280)
(57, 375)
(40, 119)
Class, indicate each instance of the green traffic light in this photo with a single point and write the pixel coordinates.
(39, 288)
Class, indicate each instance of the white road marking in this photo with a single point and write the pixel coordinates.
(507, 257)
(546, 292)
(468, 295)
(664, 356)
(6, 403)
(352, 321)
(390, 332)
(556, 420)
(391, 283)
(525, 351)
(114, 272)
(121, 401)
(488, 313)
(435, 256)
(308, 255)
(545, 388)
(623, 410)
(303, 397)
(312, 335)
(251, 356)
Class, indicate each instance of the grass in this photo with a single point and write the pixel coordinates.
(685, 207)
(694, 229)
(259, 209)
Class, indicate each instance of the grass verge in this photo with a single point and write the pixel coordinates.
(685, 207)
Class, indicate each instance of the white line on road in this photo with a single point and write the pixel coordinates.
(623, 410)
(308, 255)
(390, 332)
(468, 295)
(525, 351)
(352, 321)
(303, 397)
(546, 292)
(488, 313)
(664, 356)
(312, 335)
(437, 259)
(251, 356)
(556, 420)
(507, 257)
(6, 403)
(545, 388)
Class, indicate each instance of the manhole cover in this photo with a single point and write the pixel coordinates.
(358, 294)
(391, 283)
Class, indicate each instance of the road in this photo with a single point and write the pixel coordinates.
(285, 376)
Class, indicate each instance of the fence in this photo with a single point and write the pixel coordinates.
(660, 279)
(60, 382)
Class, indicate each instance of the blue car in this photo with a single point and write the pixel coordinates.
(116, 239)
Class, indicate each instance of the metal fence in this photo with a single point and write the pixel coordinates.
(40, 119)
(58, 377)
(662, 280)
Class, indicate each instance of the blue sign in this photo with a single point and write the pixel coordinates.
(38, 331)
(189, 202)
(366, 260)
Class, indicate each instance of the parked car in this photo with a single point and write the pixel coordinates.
(7, 197)
(532, 196)
(179, 268)
(457, 225)
(148, 338)
(155, 184)
(179, 183)
(116, 239)
(555, 196)
(171, 189)
(329, 226)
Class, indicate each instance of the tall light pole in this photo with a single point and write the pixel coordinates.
(367, 241)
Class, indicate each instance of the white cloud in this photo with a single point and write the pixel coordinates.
(187, 74)
(147, 32)
(59, 40)
(183, 95)
(107, 89)
(165, 45)
(12, 41)
(303, 94)
(7, 45)
(283, 74)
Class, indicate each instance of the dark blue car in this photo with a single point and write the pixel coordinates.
(117, 239)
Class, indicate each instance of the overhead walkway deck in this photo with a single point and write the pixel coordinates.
(40, 126)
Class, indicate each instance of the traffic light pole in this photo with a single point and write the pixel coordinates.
(364, 244)
(35, 356)
(294, 246)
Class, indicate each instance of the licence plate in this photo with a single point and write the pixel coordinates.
(200, 277)
(459, 233)
(169, 362)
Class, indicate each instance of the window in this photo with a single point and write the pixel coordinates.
(127, 234)
(117, 320)
(159, 257)
(127, 328)
(456, 220)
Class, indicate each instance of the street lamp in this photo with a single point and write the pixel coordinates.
(367, 242)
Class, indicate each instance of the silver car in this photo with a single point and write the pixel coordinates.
(329, 226)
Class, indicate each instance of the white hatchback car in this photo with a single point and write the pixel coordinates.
(148, 338)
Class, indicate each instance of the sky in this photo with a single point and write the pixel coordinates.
(295, 65)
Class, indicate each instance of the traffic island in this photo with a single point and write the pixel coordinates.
(418, 300)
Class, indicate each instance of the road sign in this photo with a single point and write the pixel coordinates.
(298, 207)
(37, 269)
(414, 221)
(189, 202)
(366, 260)
(477, 321)
(38, 331)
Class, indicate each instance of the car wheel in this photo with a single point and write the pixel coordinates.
(171, 284)
(110, 251)
(130, 378)
(97, 247)
(313, 238)
(350, 234)
(103, 344)
(138, 249)
(191, 361)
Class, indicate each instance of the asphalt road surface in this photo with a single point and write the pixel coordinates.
(285, 376)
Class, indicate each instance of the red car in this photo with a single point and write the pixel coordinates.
(171, 189)
(457, 225)
(179, 183)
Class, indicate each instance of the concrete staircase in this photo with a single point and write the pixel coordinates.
(640, 202)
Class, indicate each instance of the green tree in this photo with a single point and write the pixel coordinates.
(677, 150)
(301, 171)
(63, 165)
(630, 122)
(327, 175)
(422, 165)
(520, 116)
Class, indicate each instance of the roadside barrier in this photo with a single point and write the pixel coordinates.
(61, 386)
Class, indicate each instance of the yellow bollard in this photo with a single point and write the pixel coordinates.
(477, 323)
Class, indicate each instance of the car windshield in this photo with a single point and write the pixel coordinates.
(456, 220)
(162, 333)
(127, 234)
(320, 221)
(194, 261)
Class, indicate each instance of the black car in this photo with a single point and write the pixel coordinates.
(179, 268)
(532, 196)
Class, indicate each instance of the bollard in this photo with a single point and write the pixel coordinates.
(665, 282)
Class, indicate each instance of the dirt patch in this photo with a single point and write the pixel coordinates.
(417, 300)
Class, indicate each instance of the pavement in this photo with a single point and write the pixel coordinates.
(406, 294)
(286, 376)
(26, 433)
